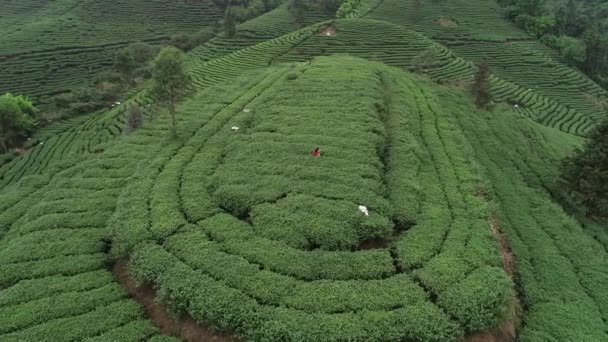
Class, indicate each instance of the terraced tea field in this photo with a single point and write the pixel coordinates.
(422, 219)
(49, 47)
(473, 30)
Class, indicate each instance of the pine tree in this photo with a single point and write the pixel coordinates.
(585, 174)
(481, 85)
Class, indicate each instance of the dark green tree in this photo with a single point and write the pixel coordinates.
(135, 118)
(569, 20)
(134, 57)
(481, 85)
(330, 6)
(125, 63)
(170, 79)
(415, 11)
(298, 9)
(16, 119)
(597, 51)
(532, 7)
(586, 174)
(142, 52)
(229, 23)
(574, 50)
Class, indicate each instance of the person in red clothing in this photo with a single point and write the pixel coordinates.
(316, 152)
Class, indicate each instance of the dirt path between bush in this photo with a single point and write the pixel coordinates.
(507, 331)
(185, 327)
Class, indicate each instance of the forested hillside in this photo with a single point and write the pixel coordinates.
(577, 29)
(360, 170)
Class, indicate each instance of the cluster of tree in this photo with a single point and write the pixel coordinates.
(132, 66)
(16, 120)
(349, 8)
(238, 11)
(248, 8)
(187, 42)
(578, 29)
(299, 8)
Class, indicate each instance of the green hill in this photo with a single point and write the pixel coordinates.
(246, 233)
(51, 47)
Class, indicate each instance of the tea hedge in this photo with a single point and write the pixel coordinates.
(271, 242)
(73, 41)
(54, 281)
(473, 30)
(250, 234)
(559, 264)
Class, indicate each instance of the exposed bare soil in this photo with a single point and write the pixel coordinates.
(507, 331)
(329, 31)
(446, 22)
(184, 327)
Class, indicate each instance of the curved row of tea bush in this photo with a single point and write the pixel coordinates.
(64, 141)
(54, 282)
(184, 215)
(53, 47)
(561, 272)
(396, 46)
(474, 30)
(270, 25)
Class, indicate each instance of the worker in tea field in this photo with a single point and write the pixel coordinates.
(316, 152)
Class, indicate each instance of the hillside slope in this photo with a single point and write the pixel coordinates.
(51, 47)
(431, 169)
(475, 29)
(247, 233)
(418, 41)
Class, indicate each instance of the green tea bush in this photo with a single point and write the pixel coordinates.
(479, 301)
(261, 222)
(222, 222)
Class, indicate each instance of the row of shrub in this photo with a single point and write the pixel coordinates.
(560, 272)
(272, 276)
(303, 201)
(227, 309)
(54, 281)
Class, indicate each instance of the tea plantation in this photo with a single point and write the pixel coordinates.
(423, 218)
(50, 47)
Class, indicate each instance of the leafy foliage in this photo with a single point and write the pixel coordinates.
(16, 120)
(133, 60)
(568, 20)
(348, 8)
(135, 118)
(481, 85)
(586, 173)
(298, 9)
(282, 254)
(187, 42)
(171, 80)
(229, 23)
